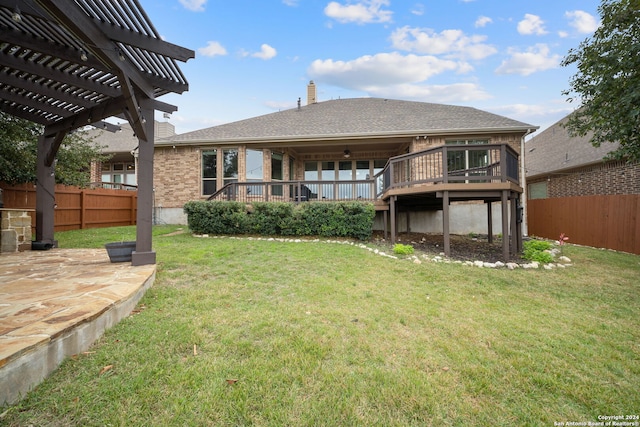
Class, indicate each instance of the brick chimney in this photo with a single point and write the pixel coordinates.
(312, 93)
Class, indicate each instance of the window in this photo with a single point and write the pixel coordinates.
(277, 166)
(328, 173)
(363, 172)
(345, 173)
(119, 173)
(209, 173)
(311, 174)
(254, 171)
(230, 165)
(254, 165)
(130, 179)
(467, 162)
(538, 190)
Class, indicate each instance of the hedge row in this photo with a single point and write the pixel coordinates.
(339, 219)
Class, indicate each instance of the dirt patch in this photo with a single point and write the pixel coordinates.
(463, 248)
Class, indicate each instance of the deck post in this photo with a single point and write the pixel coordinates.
(392, 208)
(445, 223)
(514, 225)
(490, 222)
(505, 224)
(519, 219)
(385, 219)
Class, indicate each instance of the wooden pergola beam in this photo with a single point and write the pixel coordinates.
(83, 27)
(47, 91)
(57, 75)
(35, 103)
(118, 34)
(66, 53)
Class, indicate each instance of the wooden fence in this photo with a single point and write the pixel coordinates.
(611, 222)
(78, 208)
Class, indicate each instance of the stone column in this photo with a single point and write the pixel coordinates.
(15, 233)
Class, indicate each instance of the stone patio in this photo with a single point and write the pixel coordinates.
(56, 303)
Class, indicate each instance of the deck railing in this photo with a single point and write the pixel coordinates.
(297, 191)
(448, 164)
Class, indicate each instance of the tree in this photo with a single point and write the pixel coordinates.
(19, 148)
(607, 83)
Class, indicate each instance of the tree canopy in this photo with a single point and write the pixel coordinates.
(607, 84)
(19, 148)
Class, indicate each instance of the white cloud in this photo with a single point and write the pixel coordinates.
(536, 58)
(563, 34)
(542, 115)
(483, 21)
(213, 48)
(364, 12)
(194, 5)
(454, 93)
(582, 21)
(418, 9)
(531, 24)
(380, 70)
(290, 2)
(266, 52)
(453, 43)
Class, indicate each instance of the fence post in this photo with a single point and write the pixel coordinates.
(83, 207)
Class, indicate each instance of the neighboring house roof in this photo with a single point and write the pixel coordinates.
(354, 118)
(116, 142)
(125, 141)
(555, 150)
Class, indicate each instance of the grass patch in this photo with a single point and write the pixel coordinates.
(313, 334)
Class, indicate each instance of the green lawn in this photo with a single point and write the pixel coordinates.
(244, 332)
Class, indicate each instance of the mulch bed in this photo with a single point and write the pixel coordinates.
(463, 248)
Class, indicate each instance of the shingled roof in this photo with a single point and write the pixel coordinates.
(355, 118)
(554, 150)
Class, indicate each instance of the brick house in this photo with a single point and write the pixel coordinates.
(119, 171)
(572, 189)
(431, 167)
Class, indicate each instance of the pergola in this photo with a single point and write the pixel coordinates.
(67, 64)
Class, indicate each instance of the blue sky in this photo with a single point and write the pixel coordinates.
(255, 57)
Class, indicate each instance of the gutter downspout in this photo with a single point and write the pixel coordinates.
(525, 222)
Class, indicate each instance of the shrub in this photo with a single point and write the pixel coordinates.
(269, 218)
(216, 217)
(341, 219)
(401, 249)
(535, 250)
